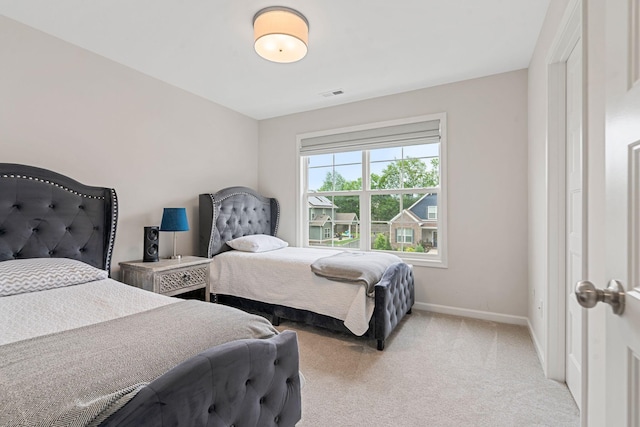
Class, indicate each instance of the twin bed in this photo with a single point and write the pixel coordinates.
(78, 348)
(279, 282)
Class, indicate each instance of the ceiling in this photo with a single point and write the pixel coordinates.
(366, 48)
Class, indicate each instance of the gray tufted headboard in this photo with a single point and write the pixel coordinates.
(234, 212)
(44, 214)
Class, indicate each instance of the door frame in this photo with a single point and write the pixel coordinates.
(570, 32)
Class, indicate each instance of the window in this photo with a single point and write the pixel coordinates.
(404, 235)
(432, 212)
(327, 233)
(382, 186)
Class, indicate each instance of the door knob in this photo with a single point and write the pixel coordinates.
(588, 296)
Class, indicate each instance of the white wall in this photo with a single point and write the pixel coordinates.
(79, 114)
(487, 223)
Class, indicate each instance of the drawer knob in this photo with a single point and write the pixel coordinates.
(186, 277)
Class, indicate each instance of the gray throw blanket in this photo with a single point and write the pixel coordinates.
(360, 267)
(81, 376)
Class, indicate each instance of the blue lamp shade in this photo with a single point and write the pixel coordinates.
(174, 219)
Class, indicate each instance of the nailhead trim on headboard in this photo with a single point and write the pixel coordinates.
(55, 184)
(210, 248)
(275, 230)
(114, 223)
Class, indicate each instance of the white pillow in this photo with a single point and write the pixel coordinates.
(37, 274)
(257, 243)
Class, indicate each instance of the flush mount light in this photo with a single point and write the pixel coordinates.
(281, 34)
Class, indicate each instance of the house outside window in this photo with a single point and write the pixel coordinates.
(417, 217)
(321, 210)
(383, 184)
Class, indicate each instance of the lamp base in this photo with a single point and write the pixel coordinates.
(174, 248)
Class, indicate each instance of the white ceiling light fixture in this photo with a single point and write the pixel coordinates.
(281, 34)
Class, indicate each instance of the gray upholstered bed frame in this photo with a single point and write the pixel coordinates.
(244, 383)
(239, 211)
(47, 215)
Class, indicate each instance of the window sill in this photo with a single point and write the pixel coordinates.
(420, 261)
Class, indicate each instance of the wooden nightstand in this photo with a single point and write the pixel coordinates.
(168, 276)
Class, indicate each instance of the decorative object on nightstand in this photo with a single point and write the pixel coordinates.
(150, 243)
(174, 219)
(169, 276)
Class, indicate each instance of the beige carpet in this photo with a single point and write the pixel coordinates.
(437, 370)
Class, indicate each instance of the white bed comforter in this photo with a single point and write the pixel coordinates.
(284, 277)
(33, 314)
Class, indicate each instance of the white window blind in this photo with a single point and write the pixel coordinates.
(382, 137)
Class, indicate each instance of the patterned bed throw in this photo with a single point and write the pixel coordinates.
(80, 376)
(360, 267)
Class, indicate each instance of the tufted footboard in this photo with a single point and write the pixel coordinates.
(394, 296)
(243, 383)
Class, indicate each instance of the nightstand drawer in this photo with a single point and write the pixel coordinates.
(183, 278)
(169, 276)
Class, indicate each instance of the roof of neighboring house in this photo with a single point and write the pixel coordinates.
(403, 216)
(320, 220)
(418, 211)
(346, 218)
(320, 202)
(419, 208)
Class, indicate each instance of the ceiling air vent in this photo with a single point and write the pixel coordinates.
(332, 93)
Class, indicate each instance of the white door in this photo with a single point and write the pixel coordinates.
(622, 142)
(574, 270)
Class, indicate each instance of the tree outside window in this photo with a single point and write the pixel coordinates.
(390, 189)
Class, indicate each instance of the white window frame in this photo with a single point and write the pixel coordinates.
(415, 258)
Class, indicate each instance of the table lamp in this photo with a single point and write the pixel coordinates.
(174, 219)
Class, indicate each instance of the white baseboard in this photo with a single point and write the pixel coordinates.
(536, 345)
(474, 314)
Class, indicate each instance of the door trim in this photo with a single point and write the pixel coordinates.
(570, 33)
